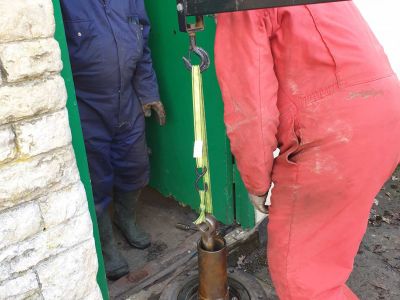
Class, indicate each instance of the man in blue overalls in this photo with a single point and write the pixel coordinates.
(115, 87)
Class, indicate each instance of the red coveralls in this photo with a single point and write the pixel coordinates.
(313, 81)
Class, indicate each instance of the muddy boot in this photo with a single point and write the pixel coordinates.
(125, 219)
(115, 264)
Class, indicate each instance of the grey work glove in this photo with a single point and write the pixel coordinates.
(158, 107)
(259, 203)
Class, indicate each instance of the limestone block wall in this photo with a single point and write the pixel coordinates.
(46, 243)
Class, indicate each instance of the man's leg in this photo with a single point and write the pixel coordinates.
(348, 147)
(131, 164)
(98, 145)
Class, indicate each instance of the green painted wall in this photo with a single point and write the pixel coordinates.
(77, 141)
(172, 146)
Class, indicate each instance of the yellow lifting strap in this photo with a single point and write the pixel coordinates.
(200, 152)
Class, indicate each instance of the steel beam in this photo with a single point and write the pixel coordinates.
(199, 8)
(207, 7)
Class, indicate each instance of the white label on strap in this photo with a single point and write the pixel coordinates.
(198, 149)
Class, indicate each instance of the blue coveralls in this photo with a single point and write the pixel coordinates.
(113, 76)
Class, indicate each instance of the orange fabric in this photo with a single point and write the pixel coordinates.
(314, 81)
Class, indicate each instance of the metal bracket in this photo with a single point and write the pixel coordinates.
(200, 8)
(184, 26)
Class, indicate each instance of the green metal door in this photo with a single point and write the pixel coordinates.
(172, 160)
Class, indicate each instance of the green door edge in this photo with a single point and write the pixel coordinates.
(77, 141)
(244, 211)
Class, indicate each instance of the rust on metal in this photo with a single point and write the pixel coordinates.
(136, 277)
(212, 260)
(213, 277)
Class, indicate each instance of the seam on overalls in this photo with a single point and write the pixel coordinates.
(321, 94)
(259, 98)
(326, 45)
(295, 110)
(272, 14)
(368, 80)
(293, 206)
(291, 100)
(295, 124)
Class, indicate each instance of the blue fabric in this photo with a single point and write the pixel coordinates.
(113, 75)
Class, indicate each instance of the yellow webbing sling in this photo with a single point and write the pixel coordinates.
(200, 152)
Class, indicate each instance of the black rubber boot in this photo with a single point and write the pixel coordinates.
(115, 264)
(125, 219)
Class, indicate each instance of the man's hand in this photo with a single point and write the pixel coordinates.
(259, 203)
(158, 107)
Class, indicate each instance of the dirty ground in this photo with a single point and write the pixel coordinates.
(158, 216)
(377, 266)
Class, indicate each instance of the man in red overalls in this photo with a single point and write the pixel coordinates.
(313, 81)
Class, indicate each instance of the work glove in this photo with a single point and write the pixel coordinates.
(158, 107)
(259, 203)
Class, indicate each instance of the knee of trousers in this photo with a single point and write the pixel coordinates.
(132, 169)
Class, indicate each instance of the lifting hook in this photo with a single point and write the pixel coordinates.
(199, 176)
(200, 52)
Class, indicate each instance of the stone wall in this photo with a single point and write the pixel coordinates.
(46, 243)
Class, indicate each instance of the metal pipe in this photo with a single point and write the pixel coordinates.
(213, 277)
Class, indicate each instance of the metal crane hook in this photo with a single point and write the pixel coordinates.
(200, 52)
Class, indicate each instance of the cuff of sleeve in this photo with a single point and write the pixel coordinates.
(149, 100)
(256, 185)
(258, 191)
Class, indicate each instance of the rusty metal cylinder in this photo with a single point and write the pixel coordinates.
(213, 278)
